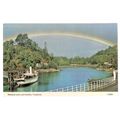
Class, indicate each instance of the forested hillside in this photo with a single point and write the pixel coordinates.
(104, 57)
(23, 53)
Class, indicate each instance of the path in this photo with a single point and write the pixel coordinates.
(112, 88)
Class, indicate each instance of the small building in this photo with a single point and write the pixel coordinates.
(107, 64)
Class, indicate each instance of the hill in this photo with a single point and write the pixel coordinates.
(23, 53)
(105, 58)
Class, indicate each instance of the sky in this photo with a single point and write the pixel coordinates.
(66, 46)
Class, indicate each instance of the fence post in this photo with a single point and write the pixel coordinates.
(80, 87)
(94, 86)
(103, 83)
(97, 84)
(84, 87)
(91, 85)
(88, 87)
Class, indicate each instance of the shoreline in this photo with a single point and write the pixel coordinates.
(88, 65)
(79, 65)
(72, 65)
(55, 70)
(47, 70)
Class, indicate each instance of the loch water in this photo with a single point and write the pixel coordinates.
(66, 77)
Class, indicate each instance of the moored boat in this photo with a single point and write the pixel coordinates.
(28, 78)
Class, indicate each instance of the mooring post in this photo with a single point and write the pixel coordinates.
(11, 81)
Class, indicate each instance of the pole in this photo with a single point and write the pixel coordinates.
(114, 75)
(30, 70)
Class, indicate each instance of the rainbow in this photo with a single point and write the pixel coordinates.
(71, 34)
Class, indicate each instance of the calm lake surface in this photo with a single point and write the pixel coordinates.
(66, 77)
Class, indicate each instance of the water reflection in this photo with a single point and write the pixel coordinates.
(64, 78)
(46, 78)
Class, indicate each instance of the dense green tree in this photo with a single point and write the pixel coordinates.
(23, 53)
(109, 55)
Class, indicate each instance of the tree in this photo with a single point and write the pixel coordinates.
(23, 53)
(52, 65)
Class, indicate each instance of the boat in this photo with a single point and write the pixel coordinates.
(27, 78)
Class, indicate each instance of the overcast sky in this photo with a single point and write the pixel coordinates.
(59, 45)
